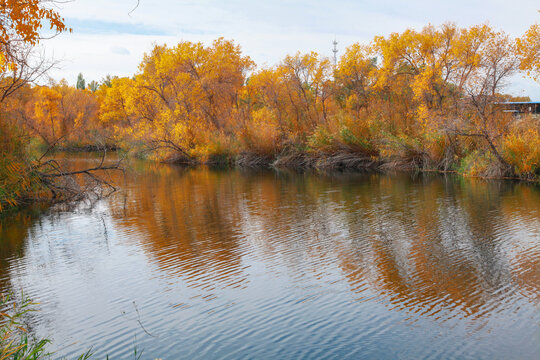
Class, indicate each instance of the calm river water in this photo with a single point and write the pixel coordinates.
(201, 264)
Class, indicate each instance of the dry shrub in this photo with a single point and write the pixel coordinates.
(443, 150)
(482, 164)
(521, 149)
(403, 153)
(17, 181)
(345, 134)
(347, 161)
(253, 161)
(294, 158)
(322, 140)
(219, 149)
(262, 135)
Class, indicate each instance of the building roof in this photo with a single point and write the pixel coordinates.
(519, 103)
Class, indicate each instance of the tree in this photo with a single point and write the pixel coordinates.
(182, 96)
(93, 86)
(115, 108)
(26, 67)
(355, 75)
(107, 80)
(81, 83)
(528, 48)
(21, 23)
(482, 78)
(455, 77)
(60, 114)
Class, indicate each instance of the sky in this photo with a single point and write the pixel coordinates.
(111, 36)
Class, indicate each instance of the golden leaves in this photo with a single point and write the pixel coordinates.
(528, 49)
(180, 95)
(21, 22)
(24, 20)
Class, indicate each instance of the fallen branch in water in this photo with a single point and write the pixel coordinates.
(67, 184)
(86, 171)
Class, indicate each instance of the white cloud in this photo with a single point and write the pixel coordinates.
(267, 30)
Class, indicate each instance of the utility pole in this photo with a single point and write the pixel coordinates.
(335, 51)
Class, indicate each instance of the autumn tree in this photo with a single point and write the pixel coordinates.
(497, 62)
(528, 48)
(266, 122)
(61, 114)
(356, 77)
(306, 77)
(425, 98)
(21, 28)
(182, 96)
(455, 76)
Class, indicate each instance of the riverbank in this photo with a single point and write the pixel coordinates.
(16, 193)
(345, 161)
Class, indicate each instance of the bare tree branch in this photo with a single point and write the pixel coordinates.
(135, 8)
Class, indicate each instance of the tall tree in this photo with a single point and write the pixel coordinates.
(528, 47)
(81, 83)
(21, 24)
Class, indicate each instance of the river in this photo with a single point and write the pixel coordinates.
(205, 264)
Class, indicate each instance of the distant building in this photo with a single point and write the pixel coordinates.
(521, 107)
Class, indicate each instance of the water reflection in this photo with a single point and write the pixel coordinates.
(270, 264)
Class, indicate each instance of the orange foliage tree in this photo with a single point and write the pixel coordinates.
(528, 48)
(61, 114)
(182, 98)
(21, 27)
(425, 99)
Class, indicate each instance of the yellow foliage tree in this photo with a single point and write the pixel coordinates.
(60, 114)
(181, 97)
(528, 48)
(21, 23)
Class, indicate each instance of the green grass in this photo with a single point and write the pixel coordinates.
(16, 343)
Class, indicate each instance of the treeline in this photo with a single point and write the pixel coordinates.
(422, 100)
(415, 100)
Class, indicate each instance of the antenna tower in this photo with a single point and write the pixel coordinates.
(335, 51)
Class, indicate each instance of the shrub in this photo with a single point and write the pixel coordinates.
(522, 151)
(321, 140)
(17, 179)
(262, 135)
(15, 342)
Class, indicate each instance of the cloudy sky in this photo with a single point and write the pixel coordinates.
(108, 39)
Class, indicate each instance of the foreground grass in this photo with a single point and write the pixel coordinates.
(16, 343)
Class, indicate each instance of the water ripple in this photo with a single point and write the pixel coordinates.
(200, 264)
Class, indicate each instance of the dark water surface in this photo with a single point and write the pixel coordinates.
(193, 264)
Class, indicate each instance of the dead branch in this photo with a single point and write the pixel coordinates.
(64, 185)
(85, 171)
(135, 8)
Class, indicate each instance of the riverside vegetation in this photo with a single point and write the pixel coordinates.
(15, 341)
(417, 100)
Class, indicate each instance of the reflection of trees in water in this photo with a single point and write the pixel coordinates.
(430, 245)
(13, 232)
(436, 242)
(423, 243)
(188, 222)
